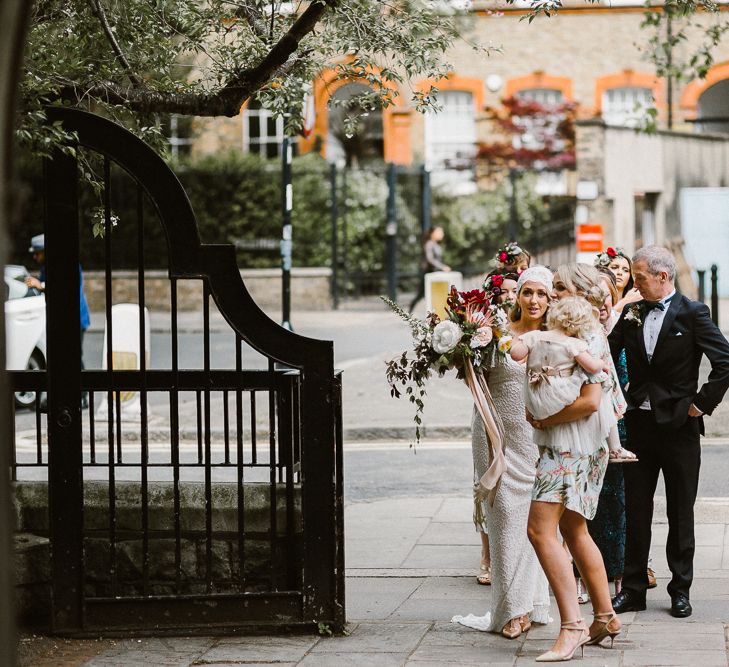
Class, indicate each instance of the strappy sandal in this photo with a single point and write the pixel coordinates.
(605, 618)
(512, 629)
(583, 597)
(484, 575)
(554, 656)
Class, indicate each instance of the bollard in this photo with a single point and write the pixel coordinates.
(123, 349)
(715, 294)
(702, 285)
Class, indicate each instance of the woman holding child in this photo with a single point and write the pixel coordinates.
(573, 458)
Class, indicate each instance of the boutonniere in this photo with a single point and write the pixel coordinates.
(634, 315)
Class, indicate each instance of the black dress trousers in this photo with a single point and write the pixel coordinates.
(676, 452)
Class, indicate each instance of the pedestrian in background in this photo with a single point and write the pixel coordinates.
(38, 250)
(432, 260)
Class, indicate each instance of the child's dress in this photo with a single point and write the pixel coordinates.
(554, 380)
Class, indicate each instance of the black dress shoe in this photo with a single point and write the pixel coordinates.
(681, 607)
(628, 601)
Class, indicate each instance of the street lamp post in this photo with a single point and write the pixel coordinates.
(286, 232)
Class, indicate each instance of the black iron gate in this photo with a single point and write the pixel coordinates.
(237, 526)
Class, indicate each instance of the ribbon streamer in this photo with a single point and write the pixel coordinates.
(488, 485)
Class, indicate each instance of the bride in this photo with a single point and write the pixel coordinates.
(520, 593)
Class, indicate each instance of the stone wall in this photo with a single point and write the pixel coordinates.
(310, 289)
(625, 164)
(263, 569)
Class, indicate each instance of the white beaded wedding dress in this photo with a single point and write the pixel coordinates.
(518, 584)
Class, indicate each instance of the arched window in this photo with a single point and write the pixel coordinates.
(713, 109)
(367, 142)
(544, 96)
(450, 138)
(625, 106)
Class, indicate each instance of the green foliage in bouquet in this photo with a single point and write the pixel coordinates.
(474, 332)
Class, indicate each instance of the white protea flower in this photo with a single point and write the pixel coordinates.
(446, 336)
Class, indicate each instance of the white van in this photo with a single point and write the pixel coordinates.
(25, 328)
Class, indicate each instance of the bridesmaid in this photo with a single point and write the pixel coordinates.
(519, 595)
(621, 266)
(503, 285)
(607, 529)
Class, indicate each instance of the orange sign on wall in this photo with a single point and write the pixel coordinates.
(589, 238)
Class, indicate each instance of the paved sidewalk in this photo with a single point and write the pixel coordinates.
(404, 585)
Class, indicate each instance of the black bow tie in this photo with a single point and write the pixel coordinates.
(660, 305)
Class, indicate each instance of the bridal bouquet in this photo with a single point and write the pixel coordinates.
(473, 334)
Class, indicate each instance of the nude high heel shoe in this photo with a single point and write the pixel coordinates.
(606, 618)
(553, 656)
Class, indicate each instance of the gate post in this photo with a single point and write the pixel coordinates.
(63, 313)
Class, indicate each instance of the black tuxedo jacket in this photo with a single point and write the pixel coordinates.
(670, 380)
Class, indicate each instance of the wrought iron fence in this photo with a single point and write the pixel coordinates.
(217, 501)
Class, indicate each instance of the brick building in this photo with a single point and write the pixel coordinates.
(587, 53)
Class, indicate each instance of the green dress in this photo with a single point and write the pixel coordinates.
(608, 526)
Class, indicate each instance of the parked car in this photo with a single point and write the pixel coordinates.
(25, 328)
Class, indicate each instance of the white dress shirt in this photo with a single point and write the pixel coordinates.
(652, 323)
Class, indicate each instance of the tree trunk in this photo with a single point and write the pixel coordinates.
(13, 23)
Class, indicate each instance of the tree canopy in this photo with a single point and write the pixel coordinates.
(132, 59)
(137, 59)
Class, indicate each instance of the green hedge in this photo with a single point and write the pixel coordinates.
(237, 196)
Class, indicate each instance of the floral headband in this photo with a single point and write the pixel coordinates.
(604, 258)
(508, 253)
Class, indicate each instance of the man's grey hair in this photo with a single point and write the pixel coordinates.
(657, 259)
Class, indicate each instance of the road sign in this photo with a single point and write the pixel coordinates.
(590, 238)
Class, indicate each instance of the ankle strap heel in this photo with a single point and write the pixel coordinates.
(605, 619)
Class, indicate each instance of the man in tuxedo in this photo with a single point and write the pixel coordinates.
(665, 337)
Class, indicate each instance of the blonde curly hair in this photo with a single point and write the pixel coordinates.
(574, 316)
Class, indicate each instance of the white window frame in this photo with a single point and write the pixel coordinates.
(444, 131)
(174, 139)
(543, 95)
(257, 145)
(629, 111)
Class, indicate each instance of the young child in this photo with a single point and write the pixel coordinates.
(559, 363)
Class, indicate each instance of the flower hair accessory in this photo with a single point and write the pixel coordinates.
(508, 253)
(608, 255)
(493, 284)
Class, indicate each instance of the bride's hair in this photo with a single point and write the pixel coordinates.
(574, 316)
(582, 280)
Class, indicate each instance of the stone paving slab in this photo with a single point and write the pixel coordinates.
(355, 660)
(377, 598)
(376, 638)
(263, 649)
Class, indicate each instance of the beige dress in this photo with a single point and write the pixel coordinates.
(518, 584)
